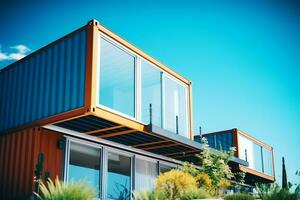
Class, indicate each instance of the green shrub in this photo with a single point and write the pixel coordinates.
(265, 190)
(275, 192)
(60, 190)
(238, 197)
(280, 195)
(173, 183)
(194, 194)
(203, 180)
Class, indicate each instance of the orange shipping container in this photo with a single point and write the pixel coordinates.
(19, 156)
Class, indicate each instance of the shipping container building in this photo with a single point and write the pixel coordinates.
(92, 106)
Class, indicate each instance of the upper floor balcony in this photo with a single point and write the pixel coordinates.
(258, 154)
(133, 85)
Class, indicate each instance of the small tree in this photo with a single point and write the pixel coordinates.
(215, 165)
(284, 177)
(174, 183)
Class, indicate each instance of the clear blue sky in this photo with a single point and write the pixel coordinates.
(243, 58)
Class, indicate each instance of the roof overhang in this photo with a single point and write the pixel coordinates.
(144, 137)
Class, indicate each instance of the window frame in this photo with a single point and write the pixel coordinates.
(138, 86)
(98, 96)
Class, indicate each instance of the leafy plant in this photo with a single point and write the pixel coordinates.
(238, 197)
(264, 190)
(189, 168)
(153, 195)
(275, 192)
(215, 164)
(58, 190)
(194, 194)
(122, 191)
(280, 195)
(174, 183)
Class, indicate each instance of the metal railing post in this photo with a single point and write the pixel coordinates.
(150, 113)
(177, 125)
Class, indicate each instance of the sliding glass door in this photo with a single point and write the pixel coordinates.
(85, 165)
(111, 172)
(118, 177)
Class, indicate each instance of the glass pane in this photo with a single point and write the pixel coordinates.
(85, 165)
(118, 177)
(151, 93)
(146, 172)
(257, 158)
(246, 150)
(268, 161)
(224, 141)
(175, 107)
(117, 78)
(165, 168)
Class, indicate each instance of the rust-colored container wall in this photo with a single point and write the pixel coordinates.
(18, 158)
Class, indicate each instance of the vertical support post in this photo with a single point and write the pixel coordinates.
(190, 110)
(104, 173)
(92, 61)
(262, 159)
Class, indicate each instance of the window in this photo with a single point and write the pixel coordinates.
(118, 177)
(146, 172)
(117, 78)
(224, 141)
(151, 94)
(175, 107)
(84, 165)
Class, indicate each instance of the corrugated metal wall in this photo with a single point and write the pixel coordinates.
(44, 84)
(18, 158)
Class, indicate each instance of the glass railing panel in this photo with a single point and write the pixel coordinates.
(175, 107)
(151, 94)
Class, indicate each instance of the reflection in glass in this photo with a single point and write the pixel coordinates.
(118, 177)
(117, 72)
(146, 172)
(175, 106)
(84, 165)
(151, 93)
(268, 161)
(165, 168)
